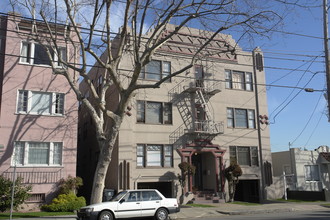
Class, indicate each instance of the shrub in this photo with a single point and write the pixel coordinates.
(20, 193)
(70, 185)
(65, 203)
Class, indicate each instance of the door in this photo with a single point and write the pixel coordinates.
(151, 201)
(199, 75)
(130, 205)
(198, 178)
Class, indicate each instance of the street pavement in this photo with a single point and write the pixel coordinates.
(220, 209)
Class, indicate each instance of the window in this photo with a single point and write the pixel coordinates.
(312, 173)
(240, 118)
(150, 155)
(36, 197)
(37, 153)
(156, 70)
(40, 103)
(246, 156)
(239, 80)
(150, 196)
(32, 53)
(154, 112)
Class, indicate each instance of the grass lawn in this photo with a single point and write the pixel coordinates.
(295, 200)
(199, 205)
(33, 214)
(245, 203)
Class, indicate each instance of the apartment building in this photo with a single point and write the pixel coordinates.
(207, 116)
(38, 111)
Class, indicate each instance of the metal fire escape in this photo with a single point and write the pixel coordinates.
(192, 98)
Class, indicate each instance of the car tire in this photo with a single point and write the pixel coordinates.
(161, 214)
(105, 215)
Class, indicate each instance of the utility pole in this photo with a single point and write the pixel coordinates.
(258, 65)
(326, 52)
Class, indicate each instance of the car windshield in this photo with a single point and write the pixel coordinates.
(118, 196)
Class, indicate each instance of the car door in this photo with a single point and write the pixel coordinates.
(130, 205)
(151, 201)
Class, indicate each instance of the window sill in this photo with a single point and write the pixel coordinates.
(243, 90)
(240, 128)
(142, 123)
(153, 167)
(41, 65)
(48, 115)
(37, 166)
(154, 80)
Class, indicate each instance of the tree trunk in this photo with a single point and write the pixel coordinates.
(103, 164)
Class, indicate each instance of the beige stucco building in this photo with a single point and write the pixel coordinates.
(38, 112)
(206, 116)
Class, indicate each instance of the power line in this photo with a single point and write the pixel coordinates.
(308, 121)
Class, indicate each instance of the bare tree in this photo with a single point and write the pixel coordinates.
(142, 26)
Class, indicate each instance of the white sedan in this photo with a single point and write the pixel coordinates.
(131, 204)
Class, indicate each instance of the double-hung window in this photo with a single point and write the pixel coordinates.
(153, 155)
(240, 118)
(156, 70)
(36, 54)
(312, 173)
(239, 80)
(37, 153)
(154, 112)
(40, 103)
(246, 156)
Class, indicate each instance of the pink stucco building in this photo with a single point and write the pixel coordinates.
(38, 112)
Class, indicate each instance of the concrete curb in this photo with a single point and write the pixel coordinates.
(246, 212)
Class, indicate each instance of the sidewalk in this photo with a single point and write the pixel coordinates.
(219, 209)
(235, 209)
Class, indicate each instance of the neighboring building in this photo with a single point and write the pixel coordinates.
(207, 117)
(38, 113)
(305, 170)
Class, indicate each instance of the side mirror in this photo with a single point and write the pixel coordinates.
(121, 201)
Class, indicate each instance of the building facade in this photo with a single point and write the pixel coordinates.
(38, 112)
(304, 170)
(208, 116)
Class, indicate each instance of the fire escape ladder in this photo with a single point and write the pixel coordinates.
(204, 103)
(184, 108)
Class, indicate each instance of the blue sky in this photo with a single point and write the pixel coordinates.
(296, 117)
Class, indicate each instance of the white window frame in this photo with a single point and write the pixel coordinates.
(165, 114)
(31, 53)
(235, 155)
(166, 158)
(24, 157)
(249, 116)
(27, 107)
(311, 176)
(164, 71)
(246, 84)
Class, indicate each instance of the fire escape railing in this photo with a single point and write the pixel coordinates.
(181, 95)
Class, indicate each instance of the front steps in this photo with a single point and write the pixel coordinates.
(207, 197)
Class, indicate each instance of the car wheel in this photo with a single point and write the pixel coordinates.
(161, 214)
(105, 215)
